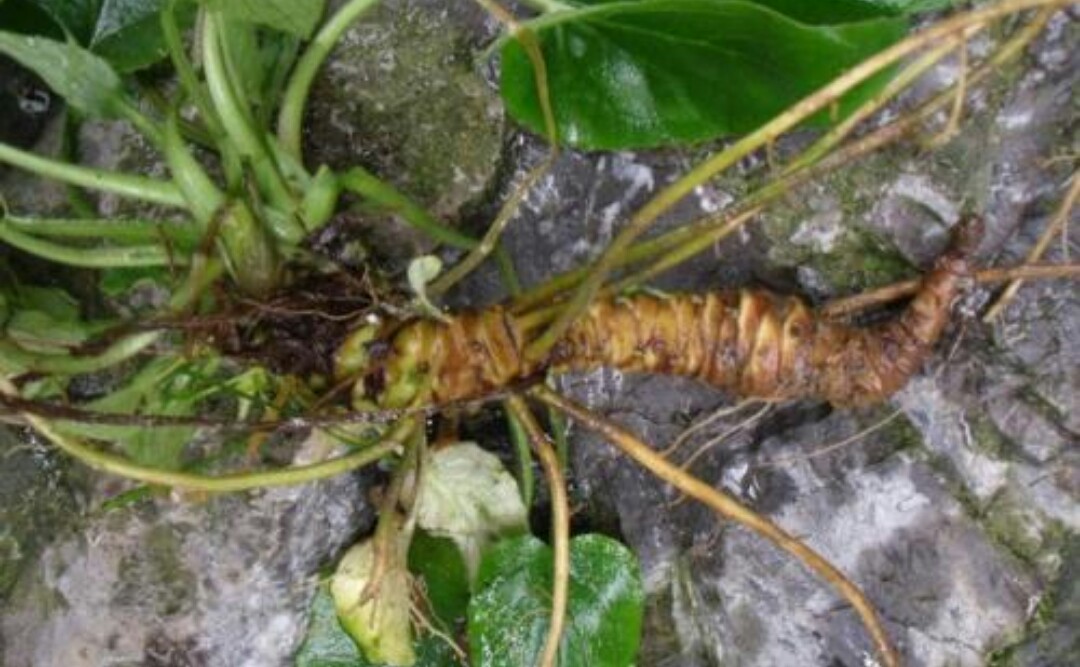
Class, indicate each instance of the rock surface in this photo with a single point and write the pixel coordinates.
(957, 514)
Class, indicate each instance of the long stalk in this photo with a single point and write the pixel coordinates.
(91, 258)
(367, 185)
(189, 80)
(131, 230)
(1057, 224)
(291, 115)
(727, 506)
(118, 465)
(560, 527)
(126, 185)
(236, 116)
(906, 288)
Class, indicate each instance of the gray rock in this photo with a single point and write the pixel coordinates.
(171, 581)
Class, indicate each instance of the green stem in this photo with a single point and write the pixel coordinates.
(896, 85)
(203, 197)
(90, 258)
(194, 131)
(236, 117)
(291, 115)
(526, 478)
(125, 348)
(117, 231)
(142, 123)
(201, 274)
(365, 184)
(224, 483)
(549, 6)
(508, 272)
(490, 242)
(189, 80)
(135, 187)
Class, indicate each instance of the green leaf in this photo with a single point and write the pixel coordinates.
(914, 6)
(86, 81)
(298, 17)
(327, 645)
(76, 17)
(509, 613)
(468, 496)
(643, 73)
(835, 12)
(439, 563)
(26, 18)
(832, 12)
(127, 33)
(114, 283)
(47, 319)
(167, 385)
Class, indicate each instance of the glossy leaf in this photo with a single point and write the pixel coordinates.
(126, 33)
(836, 12)
(509, 613)
(437, 561)
(653, 72)
(85, 80)
(297, 17)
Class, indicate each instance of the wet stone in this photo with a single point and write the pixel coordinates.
(223, 582)
(404, 96)
(958, 518)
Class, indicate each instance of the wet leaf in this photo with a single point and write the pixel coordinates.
(127, 33)
(298, 17)
(914, 6)
(509, 613)
(468, 496)
(438, 562)
(836, 12)
(642, 73)
(85, 80)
